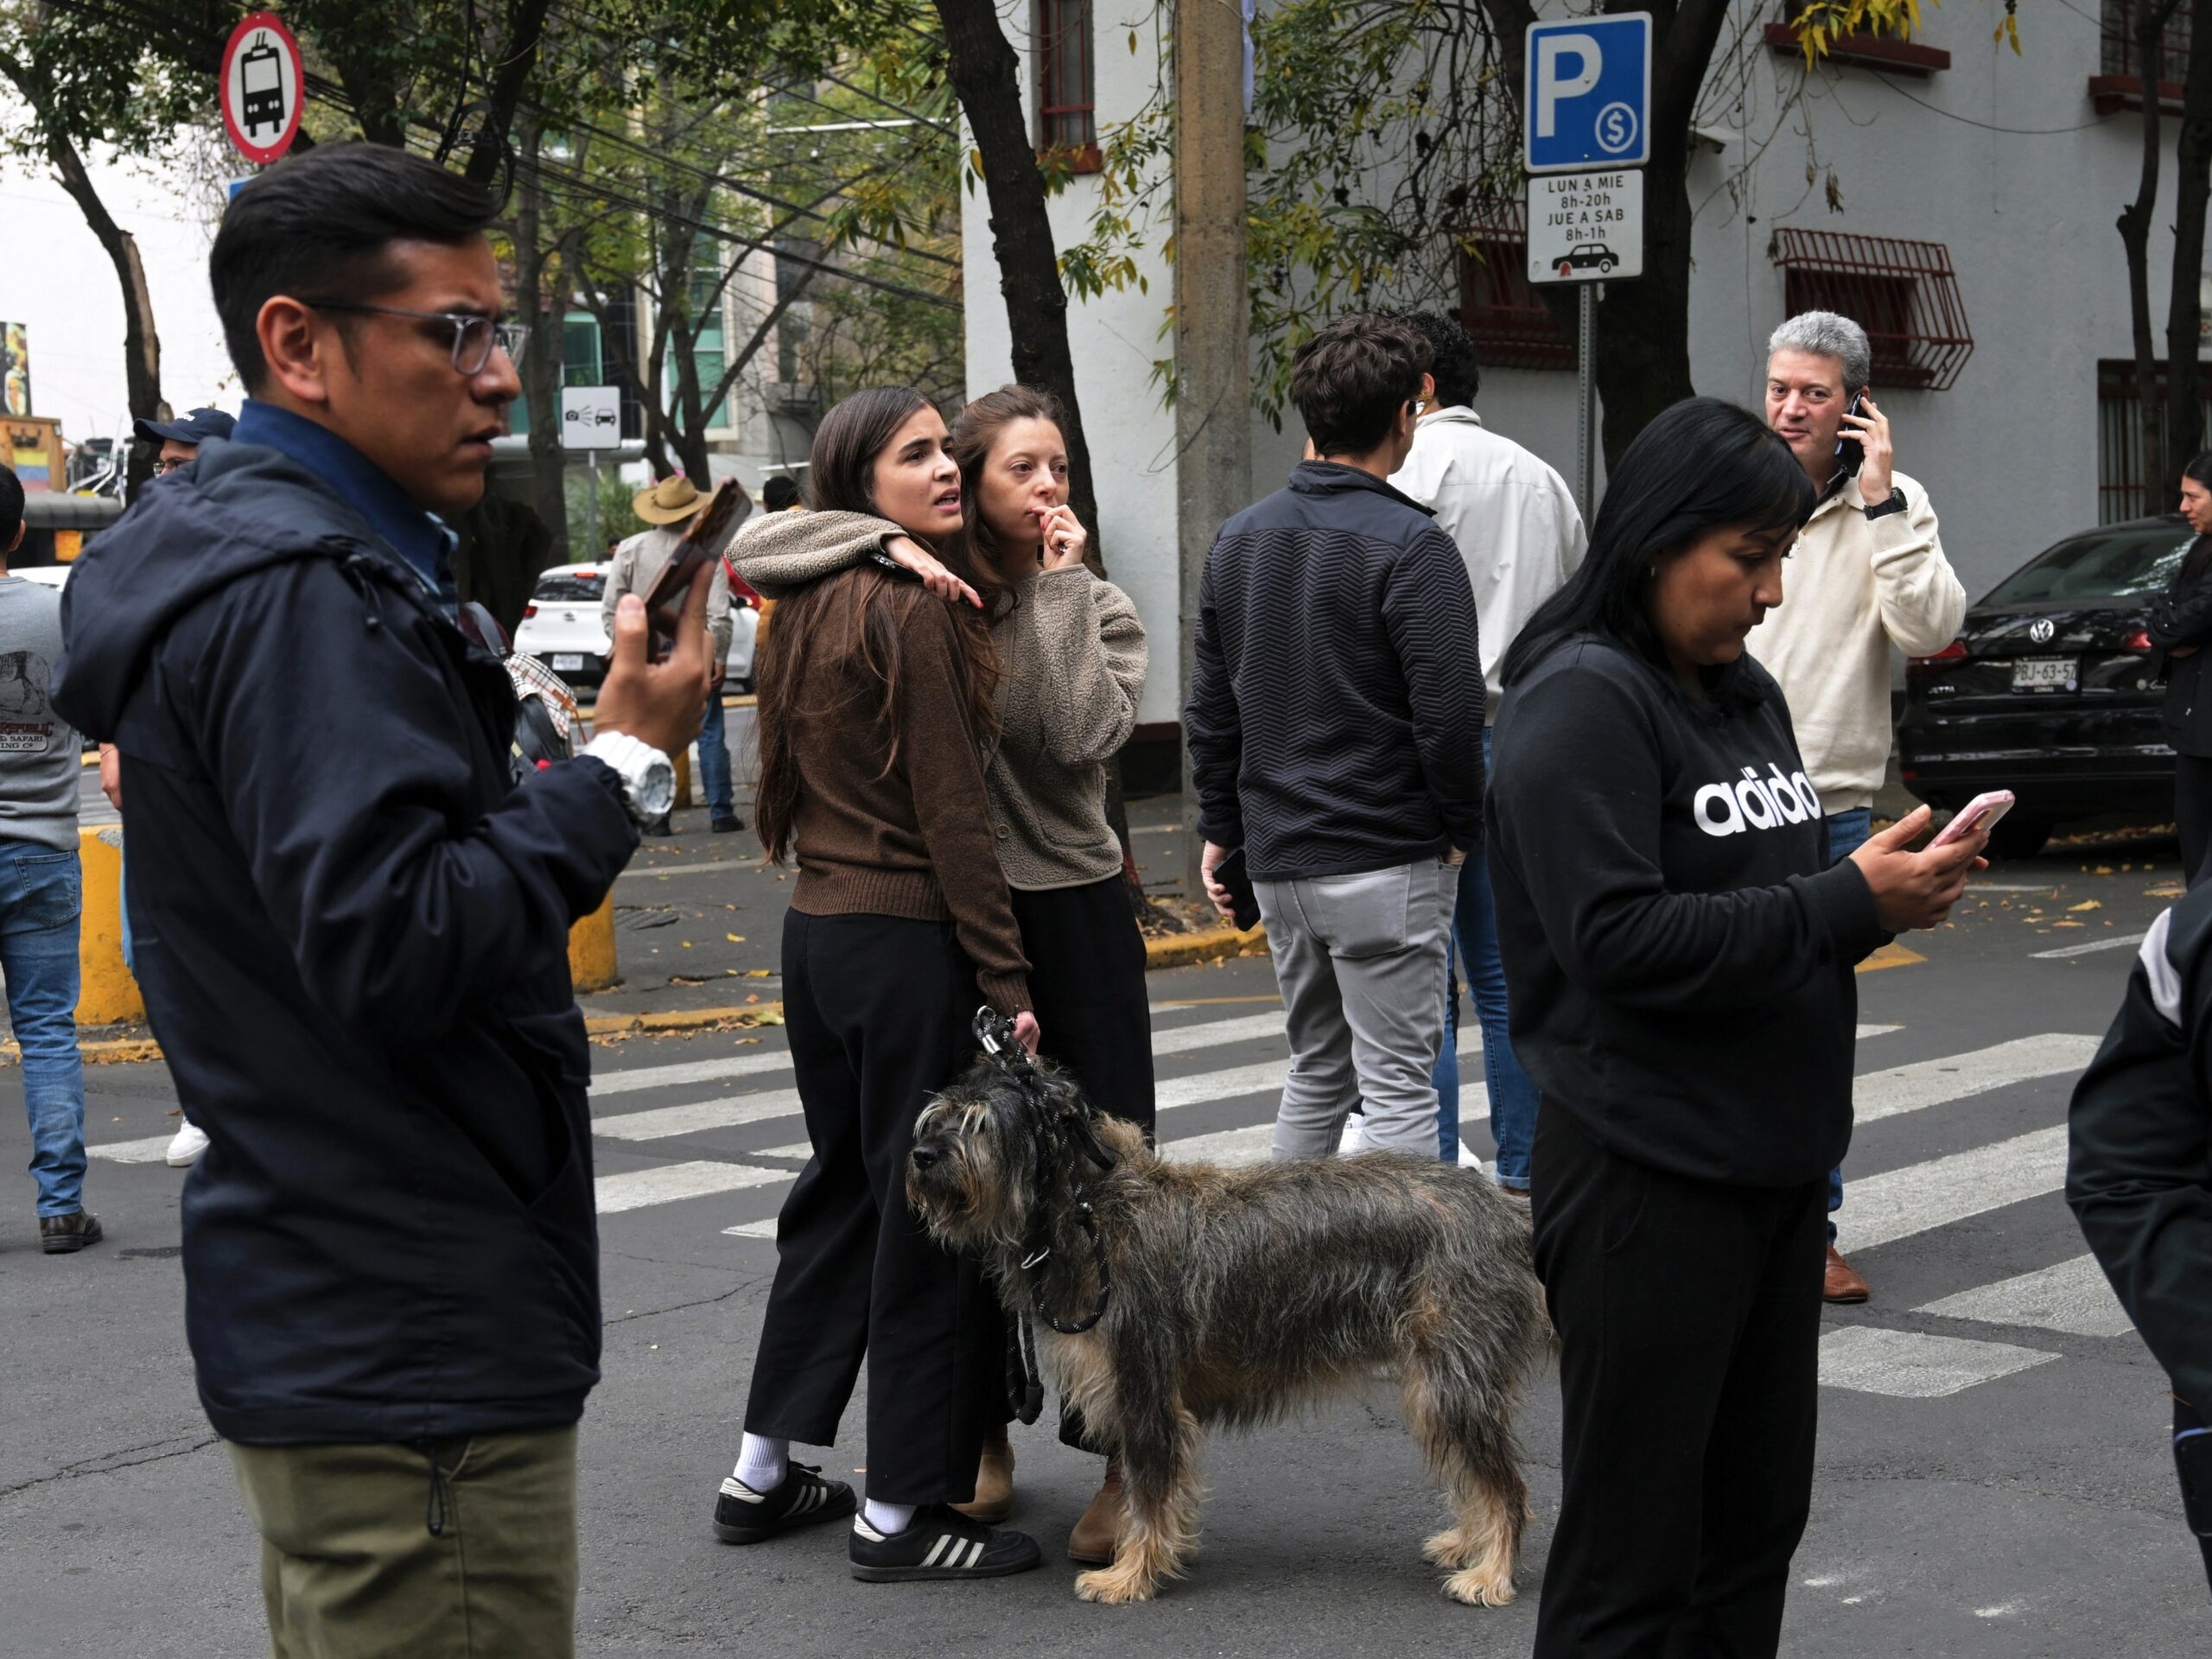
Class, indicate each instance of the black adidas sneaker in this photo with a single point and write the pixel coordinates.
(941, 1543)
(744, 1517)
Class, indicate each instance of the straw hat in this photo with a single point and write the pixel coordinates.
(669, 502)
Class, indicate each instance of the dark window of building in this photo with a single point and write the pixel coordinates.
(2124, 485)
(1066, 92)
(1904, 294)
(2121, 19)
(1499, 305)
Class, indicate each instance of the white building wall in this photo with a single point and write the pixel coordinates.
(2009, 452)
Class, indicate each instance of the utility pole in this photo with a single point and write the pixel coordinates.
(1213, 366)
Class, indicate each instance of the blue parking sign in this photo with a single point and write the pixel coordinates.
(1587, 93)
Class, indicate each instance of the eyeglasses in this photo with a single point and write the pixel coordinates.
(474, 336)
(164, 466)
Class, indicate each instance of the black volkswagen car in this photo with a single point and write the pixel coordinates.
(2052, 690)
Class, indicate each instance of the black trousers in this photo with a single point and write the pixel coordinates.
(878, 1011)
(1688, 1315)
(2193, 813)
(1086, 977)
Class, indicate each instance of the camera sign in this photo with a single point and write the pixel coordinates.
(1586, 227)
(264, 88)
(591, 417)
(1586, 101)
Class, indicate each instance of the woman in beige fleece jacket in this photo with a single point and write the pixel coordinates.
(1071, 659)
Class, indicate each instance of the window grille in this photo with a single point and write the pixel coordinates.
(1904, 294)
(1499, 305)
(1066, 90)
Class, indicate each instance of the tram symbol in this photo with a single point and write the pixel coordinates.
(261, 74)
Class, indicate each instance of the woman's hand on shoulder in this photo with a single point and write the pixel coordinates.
(1917, 890)
(910, 555)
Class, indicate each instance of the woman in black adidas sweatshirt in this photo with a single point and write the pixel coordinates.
(1680, 969)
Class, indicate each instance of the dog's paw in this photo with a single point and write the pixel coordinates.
(1480, 1587)
(1449, 1548)
(1114, 1586)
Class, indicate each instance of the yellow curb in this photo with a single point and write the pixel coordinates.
(751, 1014)
(1890, 955)
(104, 1051)
(1215, 944)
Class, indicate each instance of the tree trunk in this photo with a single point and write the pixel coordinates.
(986, 75)
(2135, 224)
(142, 346)
(525, 32)
(2184, 301)
(544, 314)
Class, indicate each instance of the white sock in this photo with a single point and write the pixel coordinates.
(762, 1463)
(887, 1518)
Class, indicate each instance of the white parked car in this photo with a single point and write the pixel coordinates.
(561, 627)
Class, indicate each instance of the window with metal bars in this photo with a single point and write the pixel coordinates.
(1499, 307)
(1904, 294)
(2125, 485)
(1067, 96)
(2118, 83)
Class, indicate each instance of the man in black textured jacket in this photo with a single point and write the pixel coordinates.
(1336, 727)
(351, 924)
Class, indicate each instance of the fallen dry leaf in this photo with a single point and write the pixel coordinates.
(2086, 904)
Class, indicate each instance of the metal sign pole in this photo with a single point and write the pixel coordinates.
(1586, 402)
(593, 547)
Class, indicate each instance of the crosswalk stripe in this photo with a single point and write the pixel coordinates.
(663, 1122)
(636, 1188)
(152, 1150)
(2120, 942)
(1913, 1364)
(670, 1077)
(2073, 1296)
(1882, 1209)
(765, 1228)
(1878, 1095)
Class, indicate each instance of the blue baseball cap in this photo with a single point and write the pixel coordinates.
(198, 427)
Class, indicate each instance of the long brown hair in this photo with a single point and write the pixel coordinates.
(974, 430)
(860, 613)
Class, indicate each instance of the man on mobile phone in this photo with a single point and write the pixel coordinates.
(352, 923)
(1335, 723)
(1867, 574)
(669, 508)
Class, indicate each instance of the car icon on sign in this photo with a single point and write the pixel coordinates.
(1586, 256)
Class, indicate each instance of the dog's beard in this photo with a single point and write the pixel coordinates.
(971, 1198)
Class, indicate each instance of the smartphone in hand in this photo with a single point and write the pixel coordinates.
(1981, 812)
(703, 541)
(1243, 904)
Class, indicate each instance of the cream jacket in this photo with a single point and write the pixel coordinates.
(1851, 589)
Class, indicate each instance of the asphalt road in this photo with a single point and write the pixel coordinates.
(1994, 1478)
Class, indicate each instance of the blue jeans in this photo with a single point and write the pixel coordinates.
(713, 758)
(1513, 1095)
(41, 907)
(1846, 834)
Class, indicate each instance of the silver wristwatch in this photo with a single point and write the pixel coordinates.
(648, 776)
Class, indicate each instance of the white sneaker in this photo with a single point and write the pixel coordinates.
(184, 1151)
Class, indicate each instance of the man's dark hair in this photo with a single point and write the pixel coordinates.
(317, 225)
(1350, 380)
(1457, 372)
(11, 505)
(780, 493)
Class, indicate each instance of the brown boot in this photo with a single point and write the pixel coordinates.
(1841, 1283)
(993, 1498)
(1091, 1543)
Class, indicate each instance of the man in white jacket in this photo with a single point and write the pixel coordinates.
(1867, 573)
(1517, 527)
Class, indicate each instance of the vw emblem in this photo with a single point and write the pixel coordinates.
(2042, 632)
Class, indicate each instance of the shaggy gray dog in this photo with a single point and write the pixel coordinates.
(1238, 1295)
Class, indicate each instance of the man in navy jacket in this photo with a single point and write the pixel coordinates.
(351, 924)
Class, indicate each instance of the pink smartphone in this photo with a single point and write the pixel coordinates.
(1977, 813)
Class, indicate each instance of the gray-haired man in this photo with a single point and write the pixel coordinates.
(1868, 573)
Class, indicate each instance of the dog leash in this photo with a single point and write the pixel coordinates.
(1054, 1133)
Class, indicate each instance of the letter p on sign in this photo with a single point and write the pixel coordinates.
(1554, 83)
(1586, 93)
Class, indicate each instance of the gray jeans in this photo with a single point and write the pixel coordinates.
(1362, 960)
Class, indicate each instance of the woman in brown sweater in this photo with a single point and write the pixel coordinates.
(1072, 657)
(874, 698)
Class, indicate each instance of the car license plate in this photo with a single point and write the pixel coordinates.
(2045, 674)
(567, 662)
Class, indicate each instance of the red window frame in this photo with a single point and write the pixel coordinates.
(1904, 294)
(1499, 307)
(1067, 92)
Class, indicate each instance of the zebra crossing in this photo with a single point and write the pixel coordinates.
(723, 1135)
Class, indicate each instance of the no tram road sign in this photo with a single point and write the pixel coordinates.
(1587, 93)
(263, 87)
